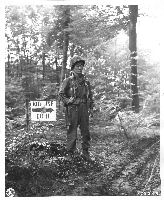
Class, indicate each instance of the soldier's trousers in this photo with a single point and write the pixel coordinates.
(78, 116)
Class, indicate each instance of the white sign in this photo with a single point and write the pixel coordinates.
(43, 110)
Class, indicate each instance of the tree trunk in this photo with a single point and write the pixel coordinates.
(133, 13)
(43, 64)
(57, 72)
(8, 64)
(21, 66)
(72, 50)
(66, 15)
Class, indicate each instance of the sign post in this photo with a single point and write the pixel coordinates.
(43, 110)
(27, 114)
(27, 95)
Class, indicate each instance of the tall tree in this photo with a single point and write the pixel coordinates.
(66, 21)
(133, 14)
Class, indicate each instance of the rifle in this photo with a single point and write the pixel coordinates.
(67, 117)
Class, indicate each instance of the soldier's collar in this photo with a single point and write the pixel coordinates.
(77, 77)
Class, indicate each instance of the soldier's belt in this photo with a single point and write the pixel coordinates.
(79, 101)
(83, 101)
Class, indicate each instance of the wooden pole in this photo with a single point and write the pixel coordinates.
(27, 113)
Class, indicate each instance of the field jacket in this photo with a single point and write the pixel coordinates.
(79, 89)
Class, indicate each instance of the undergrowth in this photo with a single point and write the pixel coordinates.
(36, 164)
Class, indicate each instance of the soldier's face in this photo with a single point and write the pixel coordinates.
(78, 68)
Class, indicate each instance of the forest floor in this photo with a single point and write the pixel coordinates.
(36, 165)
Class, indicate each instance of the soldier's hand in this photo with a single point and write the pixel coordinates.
(71, 100)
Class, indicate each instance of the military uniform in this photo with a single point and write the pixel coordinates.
(77, 112)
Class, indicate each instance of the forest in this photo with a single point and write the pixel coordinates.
(40, 41)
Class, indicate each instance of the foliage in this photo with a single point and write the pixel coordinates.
(130, 124)
(107, 56)
(110, 78)
(88, 25)
(137, 124)
(28, 29)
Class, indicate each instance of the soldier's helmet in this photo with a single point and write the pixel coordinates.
(75, 60)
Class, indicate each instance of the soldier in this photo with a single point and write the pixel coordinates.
(75, 93)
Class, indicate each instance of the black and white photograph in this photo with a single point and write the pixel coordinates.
(82, 99)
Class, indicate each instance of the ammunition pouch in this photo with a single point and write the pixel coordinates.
(79, 101)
